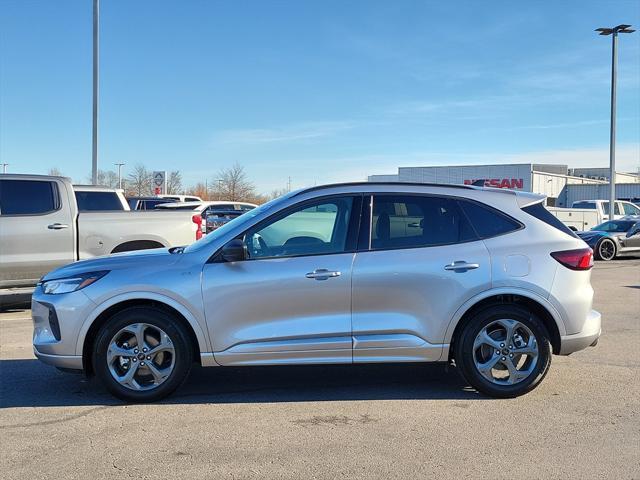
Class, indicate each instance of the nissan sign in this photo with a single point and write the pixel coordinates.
(499, 182)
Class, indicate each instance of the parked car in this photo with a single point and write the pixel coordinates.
(350, 273)
(615, 238)
(180, 198)
(622, 208)
(218, 218)
(41, 229)
(91, 198)
(206, 208)
(147, 203)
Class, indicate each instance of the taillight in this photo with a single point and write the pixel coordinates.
(197, 219)
(581, 259)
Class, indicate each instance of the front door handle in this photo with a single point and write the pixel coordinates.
(322, 274)
(57, 226)
(461, 266)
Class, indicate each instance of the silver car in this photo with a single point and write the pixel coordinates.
(350, 273)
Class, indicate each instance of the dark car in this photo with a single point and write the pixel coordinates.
(614, 238)
(147, 203)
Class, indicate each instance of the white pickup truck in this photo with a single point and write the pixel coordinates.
(41, 228)
(586, 214)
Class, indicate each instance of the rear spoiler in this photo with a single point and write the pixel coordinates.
(525, 199)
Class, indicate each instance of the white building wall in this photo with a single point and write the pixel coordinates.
(520, 173)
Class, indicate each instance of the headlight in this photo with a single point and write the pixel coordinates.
(71, 284)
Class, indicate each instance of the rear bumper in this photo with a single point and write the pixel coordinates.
(587, 337)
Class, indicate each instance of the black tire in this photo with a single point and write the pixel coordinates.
(156, 317)
(604, 248)
(464, 352)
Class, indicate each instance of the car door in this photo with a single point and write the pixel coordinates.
(290, 300)
(422, 262)
(632, 241)
(36, 230)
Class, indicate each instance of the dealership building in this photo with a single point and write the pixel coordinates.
(562, 185)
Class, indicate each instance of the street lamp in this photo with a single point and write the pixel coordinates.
(94, 117)
(612, 133)
(119, 165)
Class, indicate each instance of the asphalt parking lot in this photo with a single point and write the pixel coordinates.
(396, 421)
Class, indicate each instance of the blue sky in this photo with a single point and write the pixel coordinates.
(320, 91)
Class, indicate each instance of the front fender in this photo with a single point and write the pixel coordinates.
(204, 344)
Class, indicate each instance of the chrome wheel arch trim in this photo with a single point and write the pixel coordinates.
(453, 323)
(198, 325)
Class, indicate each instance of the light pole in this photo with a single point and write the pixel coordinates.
(94, 132)
(612, 132)
(4, 167)
(119, 165)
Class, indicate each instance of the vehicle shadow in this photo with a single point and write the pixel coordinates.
(29, 383)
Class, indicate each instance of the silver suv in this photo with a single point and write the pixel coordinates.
(351, 273)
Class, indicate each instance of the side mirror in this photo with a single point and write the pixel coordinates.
(234, 251)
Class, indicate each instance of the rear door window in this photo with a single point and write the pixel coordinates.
(412, 221)
(28, 197)
(98, 201)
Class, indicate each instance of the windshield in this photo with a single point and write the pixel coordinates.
(617, 226)
(244, 218)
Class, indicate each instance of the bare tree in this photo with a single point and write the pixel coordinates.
(55, 172)
(174, 182)
(199, 190)
(140, 181)
(106, 178)
(276, 193)
(232, 184)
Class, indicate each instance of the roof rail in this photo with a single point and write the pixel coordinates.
(411, 184)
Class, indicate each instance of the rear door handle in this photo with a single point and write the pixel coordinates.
(322, 274)
(461, 266)
(57, 226)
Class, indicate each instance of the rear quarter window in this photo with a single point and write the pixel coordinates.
(537, 210)
(487, 221)
(28, 197)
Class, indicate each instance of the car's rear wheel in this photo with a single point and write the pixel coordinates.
(606, 250)
(142, 354)
(503, 351)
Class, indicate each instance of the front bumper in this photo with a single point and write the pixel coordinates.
(57, 320)
(587, 337)
(71, 362)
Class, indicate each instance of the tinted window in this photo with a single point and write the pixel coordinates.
(616, 210)
(27, 197)
(191, 199)
(93, 201)
(315, 229)
(617, 226)
(244, 208)
(537, 210)
(584, 205)
(487, 221)
(417, 221)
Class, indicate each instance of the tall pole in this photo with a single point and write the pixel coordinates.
(612, 132)
(119, 165)
(94, 133)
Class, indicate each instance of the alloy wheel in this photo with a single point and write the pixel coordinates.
(505, 352)
(140, 356)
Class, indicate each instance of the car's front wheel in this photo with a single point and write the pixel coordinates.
(503, 351)
(142, 354)
(606, 250)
